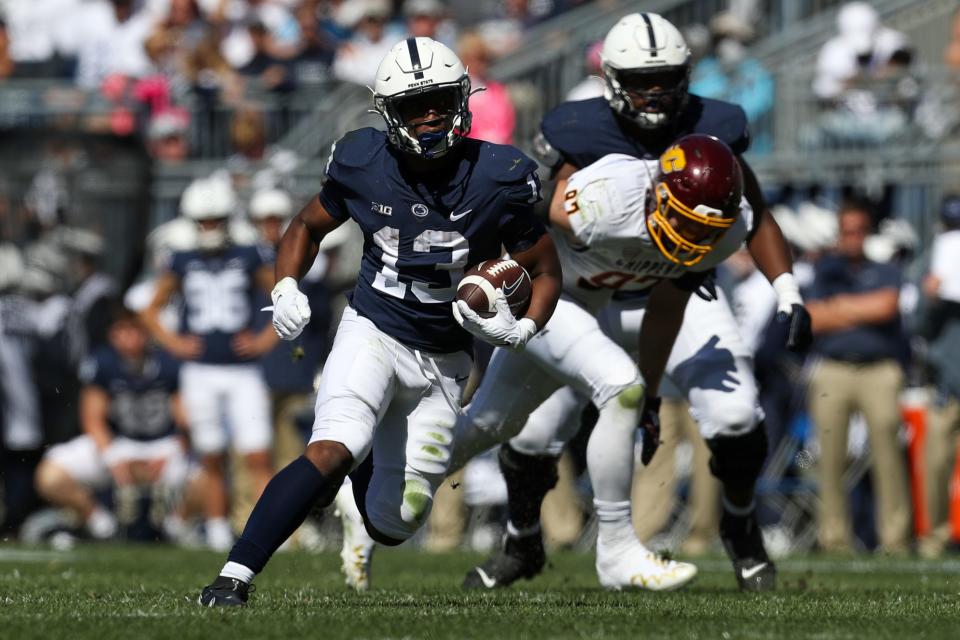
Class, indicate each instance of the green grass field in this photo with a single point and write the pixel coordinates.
(130, 592)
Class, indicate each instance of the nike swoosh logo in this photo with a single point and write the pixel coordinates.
(456, 216)
(487, 581)
(508, 289)
(752, 571)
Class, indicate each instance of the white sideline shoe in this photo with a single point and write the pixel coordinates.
(357, 551)
(633, 566)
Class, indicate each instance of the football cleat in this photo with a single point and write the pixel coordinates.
(635, 567)
(519, 558)
(743, 542)
(358, 546)
(226, 592)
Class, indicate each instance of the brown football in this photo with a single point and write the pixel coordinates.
(479, 285)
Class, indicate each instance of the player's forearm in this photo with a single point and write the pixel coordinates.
(769, 248)
(297, 251)
(542, 263)
(659, 331)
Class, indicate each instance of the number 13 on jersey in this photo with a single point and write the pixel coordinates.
(452, 261)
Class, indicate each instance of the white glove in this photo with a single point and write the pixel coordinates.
(502, 330)
(291, 309)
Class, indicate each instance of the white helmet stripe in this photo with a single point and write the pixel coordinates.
(650, 33)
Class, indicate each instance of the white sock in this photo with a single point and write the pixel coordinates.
(219, 534)
(610, 452)
(614, 524)
(101, 524)
(237, 571)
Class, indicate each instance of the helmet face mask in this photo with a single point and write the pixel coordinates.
(649, 97)
(212, 234)
(427, 121)
(423, 94)
(694, 198)
(684, 236)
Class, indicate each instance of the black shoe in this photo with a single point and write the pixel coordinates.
(226, 592)
(744, 544)
(520, 558)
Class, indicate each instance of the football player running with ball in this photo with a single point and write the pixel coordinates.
(646, 108)
(430, 202)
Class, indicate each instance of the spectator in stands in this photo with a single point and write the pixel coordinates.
(592, 85)
(167, 136)
(853, 304)
(114, 34)
(7, 65)
(311, 64)
(494, 117)
(357, 60)
(729, 73)
(128, 409)
(211, 77)
(942, 288)
(428, 18)
(861, 79)
(265, 69)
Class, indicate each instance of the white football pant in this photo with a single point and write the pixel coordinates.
(238, 390)
(571, 350)
(709, 364)
(376, 392)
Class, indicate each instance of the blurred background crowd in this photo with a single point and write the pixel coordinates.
(110, 109)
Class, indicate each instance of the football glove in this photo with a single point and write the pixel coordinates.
(502, 330)
(291, 309)
(795, 323)
(650, 429)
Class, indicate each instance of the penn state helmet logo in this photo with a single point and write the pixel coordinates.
(420, 210)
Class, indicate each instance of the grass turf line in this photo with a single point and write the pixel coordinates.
(105, 592)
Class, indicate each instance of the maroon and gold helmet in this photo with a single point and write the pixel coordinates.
(695, 198)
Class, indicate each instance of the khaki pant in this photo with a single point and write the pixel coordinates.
(940, 454)
(653, 487)
(288, 445)
(837, 391)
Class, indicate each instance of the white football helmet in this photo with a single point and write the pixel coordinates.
(271, 203)
(642, 44)
(210, 198)
(415, 67)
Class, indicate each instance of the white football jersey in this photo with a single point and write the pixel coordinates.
(610, 247)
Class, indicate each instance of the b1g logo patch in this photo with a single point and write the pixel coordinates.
(673, 159)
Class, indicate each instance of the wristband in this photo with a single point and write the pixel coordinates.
(788, 293)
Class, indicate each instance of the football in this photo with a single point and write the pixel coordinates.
(479, 285)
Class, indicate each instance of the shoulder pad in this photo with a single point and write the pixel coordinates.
(505, 164)
(726, 121)
(356, 149)
(565, 125)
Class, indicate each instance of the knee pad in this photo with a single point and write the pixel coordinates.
(526, 473)
(736, 461)
(392, 520)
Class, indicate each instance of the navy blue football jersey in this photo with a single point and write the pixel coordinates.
(422, 230)
(139, 396)
(585, 131)
(219, 291)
